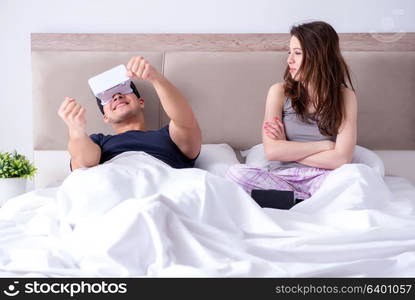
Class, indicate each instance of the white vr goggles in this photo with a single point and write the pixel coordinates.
(111, 82)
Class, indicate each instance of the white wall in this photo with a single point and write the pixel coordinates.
(19, 18)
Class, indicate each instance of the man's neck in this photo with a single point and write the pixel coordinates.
(127, 126)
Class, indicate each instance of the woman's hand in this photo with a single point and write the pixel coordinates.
(275, 129)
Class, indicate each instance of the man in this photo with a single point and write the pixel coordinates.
(177, 144)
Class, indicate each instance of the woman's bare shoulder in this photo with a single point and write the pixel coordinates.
(276, 92)
(277, 87)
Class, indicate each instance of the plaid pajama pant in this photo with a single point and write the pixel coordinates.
(304, 182)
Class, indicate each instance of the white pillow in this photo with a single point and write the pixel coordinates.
(216, 158)
(255, 157)
(362, 155)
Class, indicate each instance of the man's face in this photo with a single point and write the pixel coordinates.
(122, 107)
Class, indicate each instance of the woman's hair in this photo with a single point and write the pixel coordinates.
(324, 69)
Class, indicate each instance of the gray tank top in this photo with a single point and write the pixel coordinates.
(298, 131)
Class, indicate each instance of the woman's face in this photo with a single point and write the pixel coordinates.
(295, 57)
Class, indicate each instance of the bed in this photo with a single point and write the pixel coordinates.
(104, 222)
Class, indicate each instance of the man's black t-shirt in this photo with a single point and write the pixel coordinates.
(157, 143)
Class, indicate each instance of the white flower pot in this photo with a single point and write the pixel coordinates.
(11, 187)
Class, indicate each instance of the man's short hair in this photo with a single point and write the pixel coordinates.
(135, 91)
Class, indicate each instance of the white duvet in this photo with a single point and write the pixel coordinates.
(136, 216)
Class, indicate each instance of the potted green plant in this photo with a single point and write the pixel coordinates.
(15, 169)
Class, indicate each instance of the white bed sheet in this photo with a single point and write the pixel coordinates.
(204, 225)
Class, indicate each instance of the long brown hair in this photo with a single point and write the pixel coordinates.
(323, 67)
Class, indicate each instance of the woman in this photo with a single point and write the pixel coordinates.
(310, 119)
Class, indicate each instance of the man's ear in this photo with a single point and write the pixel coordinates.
(105, 118)
(141, 102)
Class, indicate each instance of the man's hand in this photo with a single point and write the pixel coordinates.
(139, 68)
(73, 114)
(275, 130)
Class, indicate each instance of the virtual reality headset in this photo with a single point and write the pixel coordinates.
(111, 82)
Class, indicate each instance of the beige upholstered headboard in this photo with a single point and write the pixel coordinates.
(225, 77)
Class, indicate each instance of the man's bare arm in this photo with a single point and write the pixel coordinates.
(84, 152)
(184, 128)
